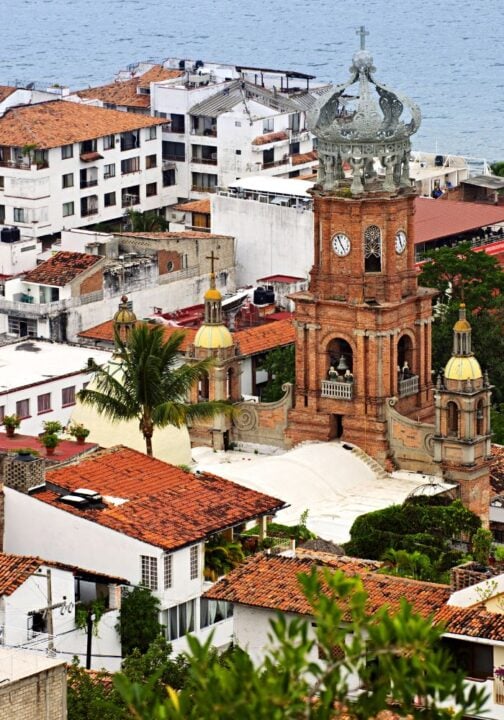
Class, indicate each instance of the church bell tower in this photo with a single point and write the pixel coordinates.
(363, 326)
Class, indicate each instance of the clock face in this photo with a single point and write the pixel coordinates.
(341, 244)
(400, 241)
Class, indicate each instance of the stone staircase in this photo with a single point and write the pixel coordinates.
(378, 470)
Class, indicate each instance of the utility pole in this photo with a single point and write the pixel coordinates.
(89, 629)
(50, 624)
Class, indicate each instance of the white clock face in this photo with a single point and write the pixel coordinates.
(400, 241)
(341, 244)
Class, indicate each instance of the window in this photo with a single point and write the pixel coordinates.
(294, 148)
(108, 142)
(68, 209)
(177, 123)
(173, 151)
(169, 177)
(238, 152)
(2, 412)
(268, 125)
(193, 563)
(237, 123)
(43, 403)
(168, 571)
(130, 140)
(150, 162)
(372, 249)
(66, 152)
(109, 199)
(152, 133)
(151, 189)
(67, 180)
(23, 408)
(23, 327)
(268, 156)
(179, 620)
(2, 214)
(19, 215)
(88, 146)
(130, 165)
(2, 182)
(109, 171)
(453, 419)
(213, 611)
(149, 572)
(295, 122)
(68, 396)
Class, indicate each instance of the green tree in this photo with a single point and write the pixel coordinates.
(280, 366)
(497, 413)
(92, 696)
(148, 221)
(482, 545)
(138, 624)
(397, 657)
(221, 556)
(477, 279)
(151, 386)
(497, 168)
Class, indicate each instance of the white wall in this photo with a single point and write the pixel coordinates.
(19, 256)
(270, 239)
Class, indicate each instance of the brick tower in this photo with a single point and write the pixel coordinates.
(462, 439)
(363, 326)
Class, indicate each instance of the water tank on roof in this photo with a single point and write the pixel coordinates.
(198, 64)
(264, 295)
(181, 64)
(439, 161)
(10, 234)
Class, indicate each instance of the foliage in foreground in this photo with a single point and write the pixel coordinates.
(138, 624)
(407, 663)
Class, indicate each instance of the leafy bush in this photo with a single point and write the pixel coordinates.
(138, 624)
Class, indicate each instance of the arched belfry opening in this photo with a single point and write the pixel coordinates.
(340, 357)
(452, 419)
(405, 355)
(372, 249)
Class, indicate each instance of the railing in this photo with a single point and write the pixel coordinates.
(498, 690)
(31, 308)
(199, 188)
(204, 161)
(408, 386)
(167, 127)
(174, 158)
(195, 228)
(337, 389)
(207, 132)
(89, 183)
(178, 275)
(89, 211)
(276, 163)
(23, 166)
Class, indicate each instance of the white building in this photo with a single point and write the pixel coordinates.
(67, 165)
(38, 607)
(147, 522)
(40, 380)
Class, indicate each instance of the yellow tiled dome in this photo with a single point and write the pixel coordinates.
(463, 368)
(213, 294)
(213, 337)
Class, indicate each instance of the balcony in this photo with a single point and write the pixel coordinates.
(337, 389)
(201, 189)
(276, 163)
(85, 212)
(89, 183)
(206, 132)
(23, 166)
(408, 386)
(498, 690)
(205, 161)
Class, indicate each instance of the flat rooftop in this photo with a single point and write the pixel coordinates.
(29, 362)
(280, 186)
(19, 664)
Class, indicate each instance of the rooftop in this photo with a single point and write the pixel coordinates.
(154, 502)
(28, 362)
(441, 218)
(237, 92)
(62, 268)
(280, 186)
(271, 581)
(60, 122)
(179, 235)
(126, 93)
(66, 450)
(200, 206)
(287, 279)
(5, 91)
(18, 664)
(491, 182)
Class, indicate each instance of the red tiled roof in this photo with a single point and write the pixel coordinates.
(15, 570)
(165, 506)
(270, 138)
(62, 268)
(473, 621)
(5, 91)
(304, 157)
(440, 218)
(199, 206)
(181, 234)
(66, 449)
(250, 340)
(60, 122)
(497, 469)
(280, 279)
(126, 93)
(271, 581)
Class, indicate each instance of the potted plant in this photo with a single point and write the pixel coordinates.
(26, 454)
(52, 427)
(79, 432)
(11, 423)
(50, 441)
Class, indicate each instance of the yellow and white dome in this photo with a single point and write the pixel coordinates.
(463, 368)
(212, 337)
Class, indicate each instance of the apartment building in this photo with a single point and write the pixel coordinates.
(64, 165)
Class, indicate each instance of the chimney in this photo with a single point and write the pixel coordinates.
(23, 472)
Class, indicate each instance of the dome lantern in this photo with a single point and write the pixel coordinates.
(213, 334)
(124, 320)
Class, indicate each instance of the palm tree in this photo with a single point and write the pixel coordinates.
(148, 385)
(146, 221)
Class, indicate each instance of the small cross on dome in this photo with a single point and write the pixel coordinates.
(362, 32)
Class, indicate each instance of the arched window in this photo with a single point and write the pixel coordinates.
(340, 357)
(405, 357)
(204, 387)
(453, 419)
(372, 249)
(229, 383)
(480, 419)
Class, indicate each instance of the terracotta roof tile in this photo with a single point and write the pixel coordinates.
(200, 206)
(190, 234)
(60, 122)
(473, 621)
(440, 218)
(271, 581)
(165, 506)
(250, 340)
(126, 93)
(497, 469)
(62, 268)
(270, 138)
(14, 570)
(304, 158)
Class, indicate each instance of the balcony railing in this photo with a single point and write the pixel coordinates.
(408, 386)
(89, 183)
(23, 166)
(498, 690)
(89, 211)
(276, 163)
(337, 389)
(200, 188)
(206, 132)
(204, 161)
(174, 158)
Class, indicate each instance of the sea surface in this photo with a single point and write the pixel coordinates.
(447, 55)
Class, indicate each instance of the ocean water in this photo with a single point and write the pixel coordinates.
(447, 55)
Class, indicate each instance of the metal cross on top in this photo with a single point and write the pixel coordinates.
(362, 32)
(212, 259)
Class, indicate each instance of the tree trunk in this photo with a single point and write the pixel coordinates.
(148, 444)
